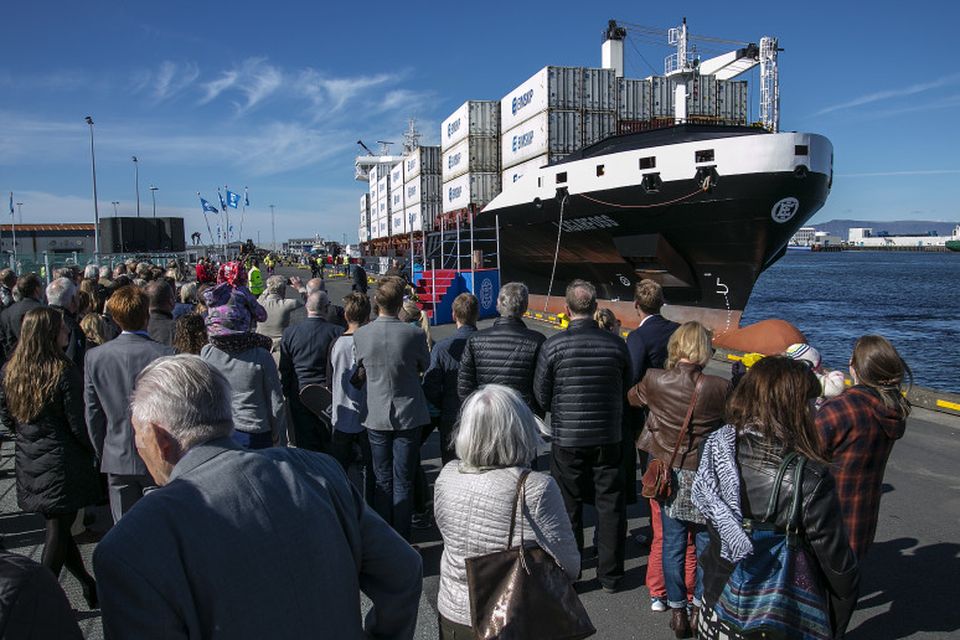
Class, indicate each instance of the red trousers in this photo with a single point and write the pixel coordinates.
(655, 584)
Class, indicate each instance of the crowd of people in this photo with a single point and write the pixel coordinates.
(199, 403)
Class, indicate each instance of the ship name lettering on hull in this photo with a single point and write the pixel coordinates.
(589, 223)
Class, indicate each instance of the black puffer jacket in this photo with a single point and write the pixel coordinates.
(506, 354)
(55, 462)
(582, 378)
(822, 525)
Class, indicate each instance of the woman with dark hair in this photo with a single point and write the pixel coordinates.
(859, 428)
(55, 464)
(770, 419)
(190, 334)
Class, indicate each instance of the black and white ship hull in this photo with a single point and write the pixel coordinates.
(701, 209)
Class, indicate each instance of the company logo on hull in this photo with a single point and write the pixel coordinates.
(521, 101)
(784, 210)
(589, 223)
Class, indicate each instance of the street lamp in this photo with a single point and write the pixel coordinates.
(115, 204)
(136, 173)
(273, 229)
(153, 195)
(96, 208)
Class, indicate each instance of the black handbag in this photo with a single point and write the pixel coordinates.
(521, 592)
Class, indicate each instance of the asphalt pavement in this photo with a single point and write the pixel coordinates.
(908, 587)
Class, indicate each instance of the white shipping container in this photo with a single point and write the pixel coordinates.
(398, 224)
(599, 89)
(421, 216)
(383, 186)
(598, 125)
(397, 198)
(554, 132)
(472, 118)
(396, 174)
(421, 159)
(633, 99)
(475, 154)
(549, 88)
(732, 101)
(475, 189)
(423, 188)
(661, 97)
(365, 203)
(516, 172)
(702, 96)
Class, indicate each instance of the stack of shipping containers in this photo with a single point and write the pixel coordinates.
(470, 164)
(364, 217)
(421, 188)
(554, 113)
(397, 223)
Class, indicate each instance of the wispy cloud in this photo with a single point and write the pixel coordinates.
(167, 80)
(889, 94)
(333, 93)
(885, 174)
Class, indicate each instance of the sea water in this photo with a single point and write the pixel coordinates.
(912, 299)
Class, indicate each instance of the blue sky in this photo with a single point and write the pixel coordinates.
(273, 96)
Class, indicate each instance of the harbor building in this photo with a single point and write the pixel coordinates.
(865, 237)
(34, 240)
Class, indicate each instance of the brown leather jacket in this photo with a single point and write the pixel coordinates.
(666, 393)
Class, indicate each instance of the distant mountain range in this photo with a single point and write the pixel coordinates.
(892, 227)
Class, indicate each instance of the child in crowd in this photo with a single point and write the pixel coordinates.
(831, 382)
(231, 308)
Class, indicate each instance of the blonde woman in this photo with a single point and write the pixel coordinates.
(668, 394)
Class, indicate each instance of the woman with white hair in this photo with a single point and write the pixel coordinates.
(281, 311)
(475, 498)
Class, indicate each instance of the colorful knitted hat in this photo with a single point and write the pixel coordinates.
(804, 352)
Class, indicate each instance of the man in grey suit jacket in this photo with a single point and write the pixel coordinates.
(240, 544)
(109, 373)
(393, 354)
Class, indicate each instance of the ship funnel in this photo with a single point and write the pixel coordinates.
(611, 52)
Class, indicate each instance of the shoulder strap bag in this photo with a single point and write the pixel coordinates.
(521, 592)
(657, 483)
(776, 591)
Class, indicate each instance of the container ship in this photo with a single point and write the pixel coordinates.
(583, 173)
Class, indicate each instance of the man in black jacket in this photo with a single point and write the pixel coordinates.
(440, 379)
(162, 301)
(62, 296)
(582, 377)
(30, 288)
(304, 349)
(505, 353)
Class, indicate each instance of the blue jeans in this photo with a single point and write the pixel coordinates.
(674, 552)
(396, 455)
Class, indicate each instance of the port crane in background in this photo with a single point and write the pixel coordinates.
(686, 62)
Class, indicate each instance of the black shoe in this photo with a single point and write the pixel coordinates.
(610, 588)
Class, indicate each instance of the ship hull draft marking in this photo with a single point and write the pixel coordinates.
(784, 210)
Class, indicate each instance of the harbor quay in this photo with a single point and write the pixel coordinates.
(907, 580)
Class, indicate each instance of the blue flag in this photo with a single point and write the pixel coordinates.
(246, 197)
(233, 199)
(206, 206)
(223, 204)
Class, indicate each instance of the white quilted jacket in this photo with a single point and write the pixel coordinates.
(473, 514)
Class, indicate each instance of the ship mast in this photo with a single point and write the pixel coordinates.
(769, 84)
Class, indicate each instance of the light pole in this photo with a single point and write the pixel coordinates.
(115, 204)
(96, 207)
(153, 195)
(273, 229)
(136, 174)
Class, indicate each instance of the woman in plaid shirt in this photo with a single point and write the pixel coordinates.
(859, 428)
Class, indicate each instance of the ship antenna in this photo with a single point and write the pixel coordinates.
(411, 137)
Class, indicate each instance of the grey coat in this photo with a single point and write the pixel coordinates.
(394, 354)
(257, 398)
(109, 374)
(255, 544)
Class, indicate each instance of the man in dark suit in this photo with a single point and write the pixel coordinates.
(359, 278)
(62, 296)
(241, 544)
(30, 288)
(304, 349)
(647, 343)
(109, 374)
(162, 301)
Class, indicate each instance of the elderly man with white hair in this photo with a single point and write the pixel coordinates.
(281, 310)
(62, 296)
(239, 544)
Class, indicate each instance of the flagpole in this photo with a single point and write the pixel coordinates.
(206, 219)
(227, 212)
(13, 231)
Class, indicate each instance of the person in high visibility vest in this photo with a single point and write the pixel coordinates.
(255, 279)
